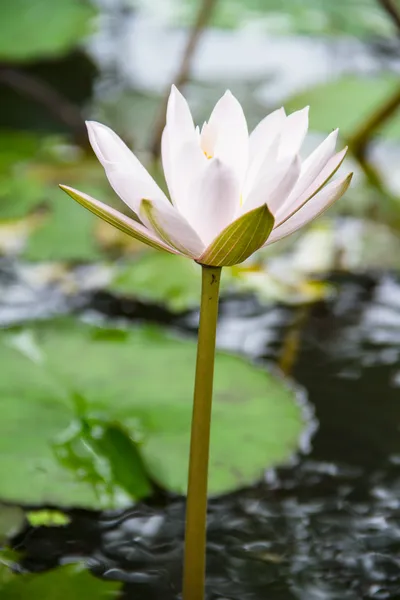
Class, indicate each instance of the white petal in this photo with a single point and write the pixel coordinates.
(317, 205)
(108, 146)
(167, 162)
(293, 133)
(214, 198)
(294, 203)
(126, 174)
(228, 122)
(180, 145)
(171, 227)
(179, 117)
(268, 171)
(181, 165)
(132, 190)
(188, 162)
(262, 138)
(314, 164)
(274, 188)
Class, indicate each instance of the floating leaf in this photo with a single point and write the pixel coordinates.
(160, 277)
(93, 382)
(31, 30)
(70, 582)
(347, 102)
(164, 279)
(66, 234)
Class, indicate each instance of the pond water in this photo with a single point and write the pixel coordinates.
(325, 527)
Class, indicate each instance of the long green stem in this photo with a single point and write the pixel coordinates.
(196, 508)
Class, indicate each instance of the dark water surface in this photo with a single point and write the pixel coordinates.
(326, 527)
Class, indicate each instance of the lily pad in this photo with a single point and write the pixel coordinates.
(66, 234)
(31, 30)
(167, 279)
(127, 396)
(347, 102)
(70, 581)
(160, 277)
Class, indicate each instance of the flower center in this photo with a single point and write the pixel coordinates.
(208, 138)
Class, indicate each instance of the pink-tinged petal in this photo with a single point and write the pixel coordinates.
(213, 200)
(314, 164)
(275, 187)
(118, 220)
(228, 123)
(294, 203)
(240, 239)
(320, 202)
(127, 176)
(294, 131)
(262, 139)
(169, 225)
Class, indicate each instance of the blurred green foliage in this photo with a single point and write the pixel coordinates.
(11, 520)
(56, 228)
(40, 28)
(348, 102)
(320, 17)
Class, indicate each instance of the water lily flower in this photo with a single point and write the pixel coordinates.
(231, 193)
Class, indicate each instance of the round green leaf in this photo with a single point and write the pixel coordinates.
(128, 395)
(347, 102)
(33, 29)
